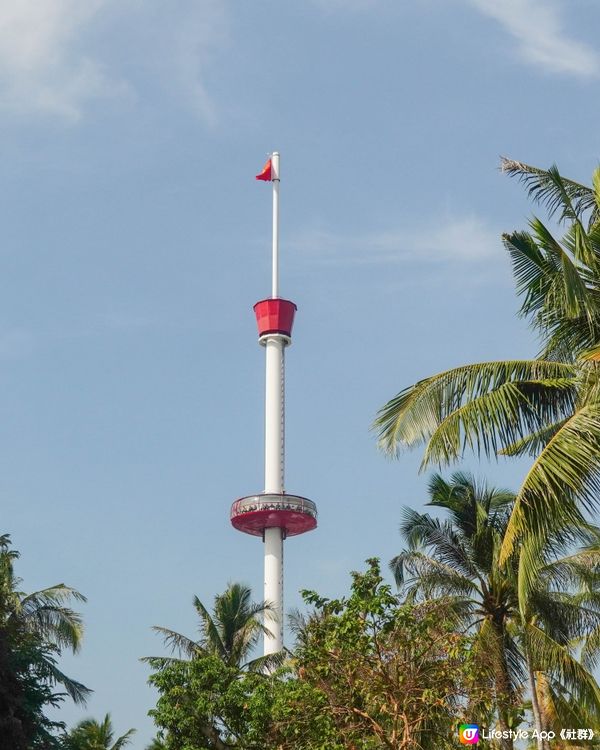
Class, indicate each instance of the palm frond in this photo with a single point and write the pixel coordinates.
(93, 735)
(123, 740)
(268, 663)
(531, 269)
(421, 529)
(494, 420)
(533, 443)
(471, 504)
(162, 662)
(563, 480)
(559, 707)
(247, 637)
(212, 636)
(430, 576)
(78, 692)
(44, 612)
(590, 650)
(230, 632)
(240, 621)
(177, 642)
(566, 617)
(557, 194)
(502, 651)
(417, 413)
(556, 659)
(577, 571)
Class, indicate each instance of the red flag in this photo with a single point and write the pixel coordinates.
(266, 172)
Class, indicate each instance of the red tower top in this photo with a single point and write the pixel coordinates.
(275, 315)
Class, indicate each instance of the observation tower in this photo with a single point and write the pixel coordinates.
(274, 514)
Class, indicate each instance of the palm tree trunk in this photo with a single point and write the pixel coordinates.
(538, 716)
(535, 705)
(503, 688)
(506, 743)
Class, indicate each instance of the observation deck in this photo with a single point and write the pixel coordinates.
(291, 513)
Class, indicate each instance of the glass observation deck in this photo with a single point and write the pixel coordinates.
(292, 513)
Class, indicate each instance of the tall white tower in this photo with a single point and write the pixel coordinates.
(274, 514)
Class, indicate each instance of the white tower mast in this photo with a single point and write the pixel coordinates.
(274, 442)
(274, 514)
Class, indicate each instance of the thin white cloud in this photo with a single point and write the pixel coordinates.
(186, 46)
(42, 70)
(46, 67)
(536, 25)
(538, 29)
(466, 240)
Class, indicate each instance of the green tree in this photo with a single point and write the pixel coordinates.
(90, 734)
(212, 674)
(34, 629)
(548, 407)
(530, 643)
(374, 672)
(368, 672)
(231, 632)
(206, 704)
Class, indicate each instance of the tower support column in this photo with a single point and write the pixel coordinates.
(274, 483)
(274, 588)
(274, 413)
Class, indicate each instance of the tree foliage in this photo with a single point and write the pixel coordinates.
(532, 639)
(368, 672)
(91, 734)
(548, 407)
(230, 633)
(379, 673)
(34, 629)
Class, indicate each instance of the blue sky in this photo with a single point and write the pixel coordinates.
(135, 241)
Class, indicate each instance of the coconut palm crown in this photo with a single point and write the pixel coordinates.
(548, 407)
(231, 632)
(532, 644)
(91, 734)
(45, 616)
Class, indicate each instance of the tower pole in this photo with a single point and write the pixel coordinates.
(274, 445)
(274, 514)
(275, 180)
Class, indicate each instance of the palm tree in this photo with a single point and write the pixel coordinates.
(90, 734)
(44, 616)
(231, 632)
(559, 280)
(530, 645)
(547, 407)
